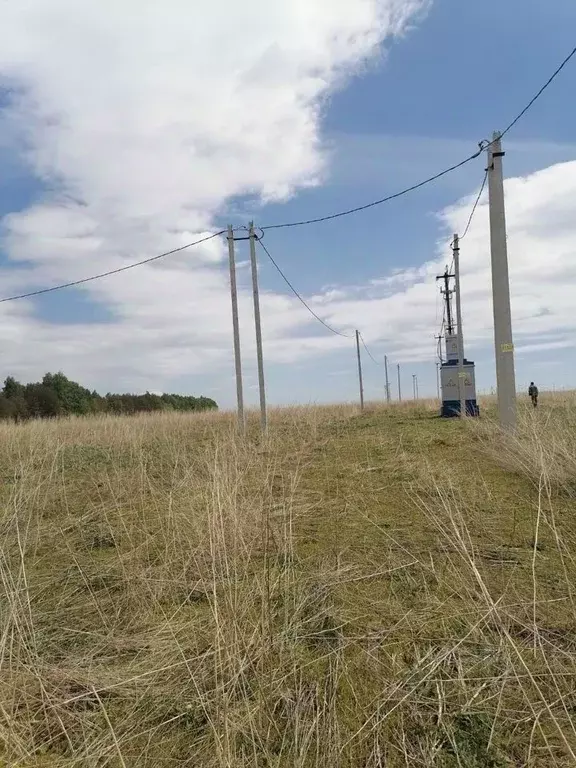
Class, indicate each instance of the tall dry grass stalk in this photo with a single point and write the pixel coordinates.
(544, 444)
(174, 594)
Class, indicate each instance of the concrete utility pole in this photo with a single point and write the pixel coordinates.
(438, 379)
(460, 333)
(387, 380)
(399, 385)
(236, 330)
(360, 371)
(415, 386)
(504, 346)
(259, 355)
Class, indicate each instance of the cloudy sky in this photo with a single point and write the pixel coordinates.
(130, 128)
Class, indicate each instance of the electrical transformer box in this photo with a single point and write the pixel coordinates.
(451, 347)
(449, 377)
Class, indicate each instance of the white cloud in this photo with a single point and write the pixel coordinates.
(143, 119)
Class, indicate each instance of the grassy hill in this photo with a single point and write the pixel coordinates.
(357, 590)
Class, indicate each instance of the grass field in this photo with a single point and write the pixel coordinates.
(358, 590)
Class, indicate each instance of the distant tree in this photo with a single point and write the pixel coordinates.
(98, 403)
(42, 401)
(6, 408)
(73, 398)
(168, 403)
(20, 407)
(206, 404)
(57, 395)
(129, 403)
(120, 404)
(12, 388)
(149, 402)
(111, 403)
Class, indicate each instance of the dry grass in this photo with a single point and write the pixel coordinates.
(384, 589)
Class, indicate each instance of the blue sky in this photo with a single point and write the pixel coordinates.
(419, 103)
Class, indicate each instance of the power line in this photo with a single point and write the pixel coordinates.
(368, 351)
(112, 271)
(535, 98)
(482, 146)
(382, 200)
(295, 292)
(473, 211)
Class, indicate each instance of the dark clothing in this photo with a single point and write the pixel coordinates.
(533, 392)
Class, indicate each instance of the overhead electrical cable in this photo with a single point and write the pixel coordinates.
(482, 146)
(373, 204)
(83, 280)
(300, 299)
(368, 351)
(535, 98)
(475, 206)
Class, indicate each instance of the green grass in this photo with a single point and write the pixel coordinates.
(357, 590)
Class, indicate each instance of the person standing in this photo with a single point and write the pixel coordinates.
(533, 392)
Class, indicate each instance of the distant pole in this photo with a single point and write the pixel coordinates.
(399, 385)
(387, 380)
(446, 292)
(504, 346)
(460, 332)
(438, 379)
(236, 330)
(414, 386)
(360, 371)
(259, 355)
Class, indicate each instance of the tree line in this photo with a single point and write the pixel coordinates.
(56, 396)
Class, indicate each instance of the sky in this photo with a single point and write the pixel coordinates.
(129, 128)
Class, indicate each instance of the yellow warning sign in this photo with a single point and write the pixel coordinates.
(462, 375)
(507, 347)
